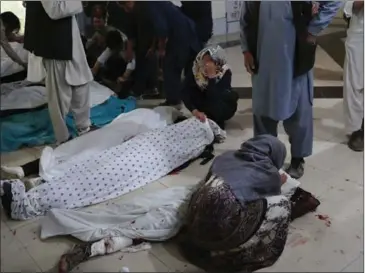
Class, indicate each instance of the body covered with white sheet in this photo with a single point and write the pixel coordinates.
(93, 177)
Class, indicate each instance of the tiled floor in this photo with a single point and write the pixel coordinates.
(333, 173)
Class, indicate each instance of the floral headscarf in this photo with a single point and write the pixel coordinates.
(219, 57)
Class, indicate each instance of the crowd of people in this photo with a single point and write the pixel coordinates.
(238, 216)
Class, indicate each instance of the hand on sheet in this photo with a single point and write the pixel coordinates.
(284, 178)
(199, 115)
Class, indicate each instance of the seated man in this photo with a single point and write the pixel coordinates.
(207, 91)
(9, 27)
(112, 65)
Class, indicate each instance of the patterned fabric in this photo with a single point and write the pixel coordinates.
(115, 171)
(221, 235)
(218, 56)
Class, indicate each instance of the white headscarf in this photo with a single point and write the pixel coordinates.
(219, 57)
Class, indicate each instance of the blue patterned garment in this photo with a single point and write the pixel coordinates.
(35, 128)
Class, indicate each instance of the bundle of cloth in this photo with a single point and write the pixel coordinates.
(136, 149)
(25, 119)
(8, 66)
(236, 219)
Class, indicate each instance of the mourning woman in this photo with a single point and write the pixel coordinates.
(207, 91)
(238, 217)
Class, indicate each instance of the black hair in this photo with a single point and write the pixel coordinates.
(11, 21)
(114, 40)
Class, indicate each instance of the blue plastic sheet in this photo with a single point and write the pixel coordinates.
(35, 128)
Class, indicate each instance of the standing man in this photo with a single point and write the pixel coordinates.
(176, 41)
(142, 39)
(353, 88)
(201, 13)
(278, 40)
(51, 33)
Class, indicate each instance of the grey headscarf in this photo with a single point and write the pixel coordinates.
(252, 172)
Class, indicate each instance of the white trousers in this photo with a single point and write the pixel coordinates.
(63, 98)
(353, 85)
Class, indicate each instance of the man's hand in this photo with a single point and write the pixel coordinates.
(311, 39)
(161, 53)
(121, 79)
(199, 115)
(249, 62)
(150, 52)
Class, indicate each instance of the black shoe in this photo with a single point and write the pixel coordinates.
(296, 168)
(7, 198)
(222, 125)
(356, 141)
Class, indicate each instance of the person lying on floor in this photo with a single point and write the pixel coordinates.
(112, 64)
(257, 212)
(238, 217)
(101, 175)
(207, 91)
(9, 27)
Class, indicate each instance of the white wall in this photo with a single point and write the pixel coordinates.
(17, 8)
(219, 9)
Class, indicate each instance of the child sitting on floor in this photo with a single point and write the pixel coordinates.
(112, 65)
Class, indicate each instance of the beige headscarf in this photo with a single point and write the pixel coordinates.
(219, 57)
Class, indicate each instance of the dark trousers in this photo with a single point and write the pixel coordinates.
(220, 110)
(145, 74)
(31, 168)
(114, 68)
(19, 76)
(174, 63)
(299, 128)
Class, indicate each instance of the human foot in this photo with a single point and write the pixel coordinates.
(356, 141)
(12, 172)
(6, 197)
(296, 168)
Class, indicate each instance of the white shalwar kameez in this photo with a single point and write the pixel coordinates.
(66, 81)
(117, 170)
(353, 88)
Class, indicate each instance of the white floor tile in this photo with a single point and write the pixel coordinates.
(46, 253)
(317, 245)
(136, 262)
(355, 266)
(170, 255)
(14, 257)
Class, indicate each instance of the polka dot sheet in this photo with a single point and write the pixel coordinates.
(117, 170)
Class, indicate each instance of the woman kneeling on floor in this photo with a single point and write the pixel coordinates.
(207, 91)
(238, 218)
